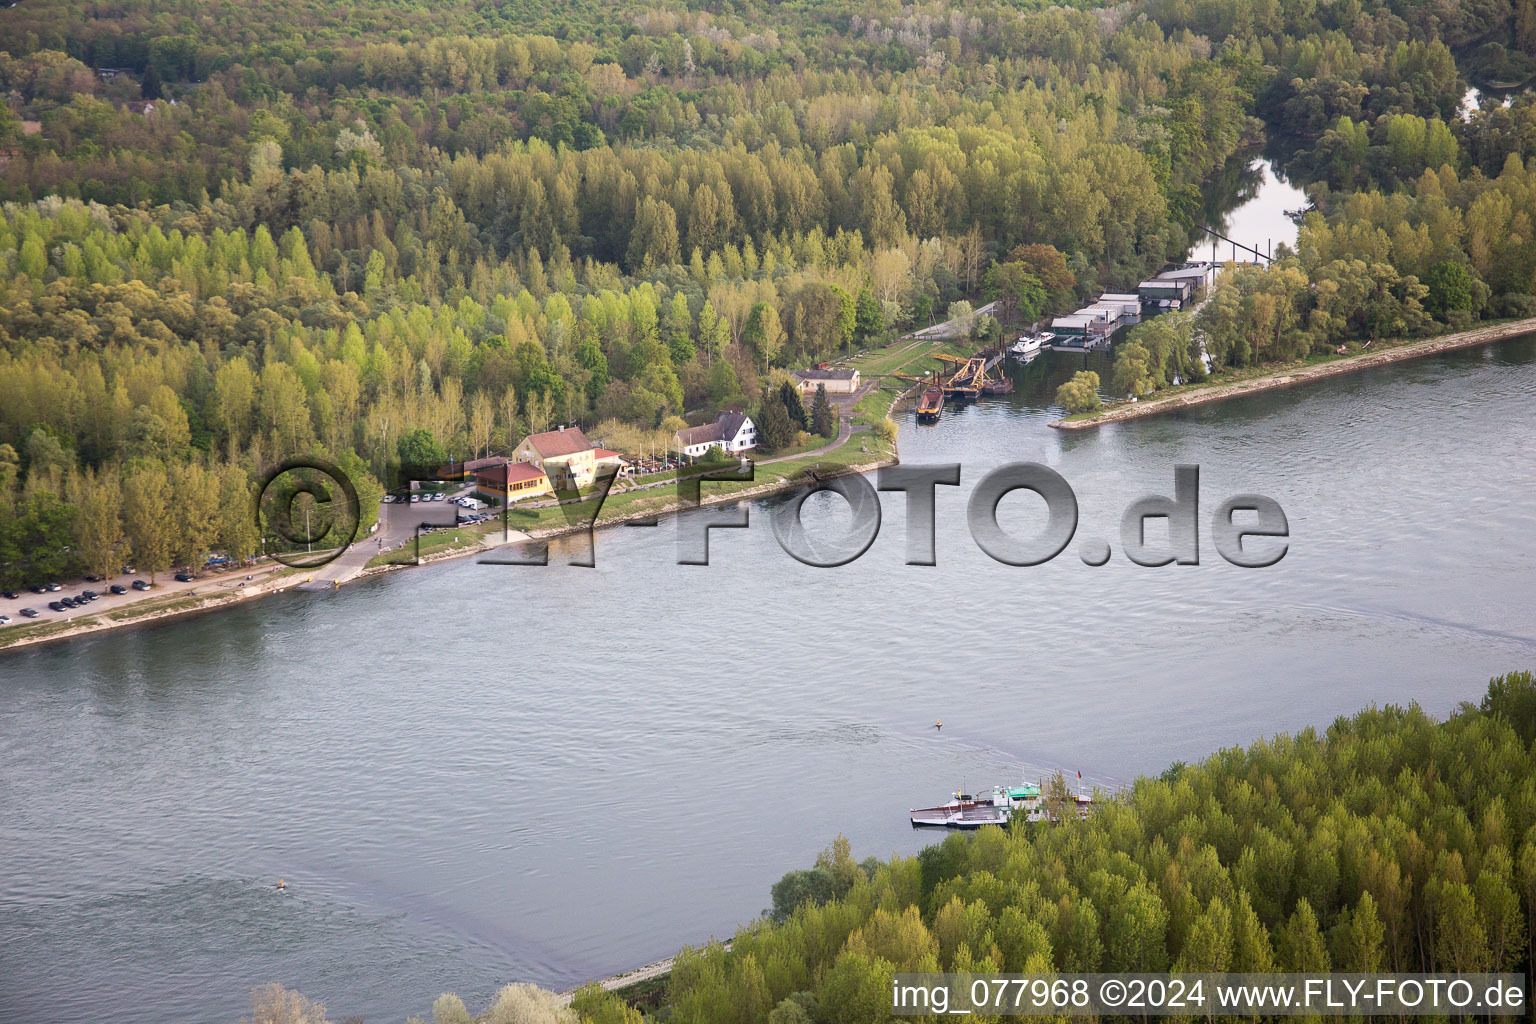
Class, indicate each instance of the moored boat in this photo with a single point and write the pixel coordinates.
(930, 406)
(994, 807)
(1029, 345)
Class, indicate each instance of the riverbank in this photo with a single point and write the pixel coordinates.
(654, 508)
(849, 458)
(194, 601)
(1296, 373)
(634, 982)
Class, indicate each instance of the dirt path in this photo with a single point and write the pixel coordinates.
(1286, 377)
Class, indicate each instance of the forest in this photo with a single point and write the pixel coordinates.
(237, 232)
(1387, 842)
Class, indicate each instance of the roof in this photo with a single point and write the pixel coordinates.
(707, 433)
(1184, 273)
(477, 464)
(1072, 321)
(1119, 297)
(725, 428)
(510, 473)
(826, 374)
(1100, 311)
(554, 443)
(606, 453)
(730, 424)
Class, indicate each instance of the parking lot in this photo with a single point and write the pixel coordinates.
(165, 583)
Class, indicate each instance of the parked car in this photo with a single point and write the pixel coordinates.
(93, 579)
(118, 588)
(142, 584)
(129, 570)
(11, 595)
(53, 588)
(5, 620)
(29, 613)
(389, 499)
(89, 595)
(185, 577)
(55, 606)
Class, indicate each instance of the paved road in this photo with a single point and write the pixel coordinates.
(397, 525)
(942, 330)
(845, 430)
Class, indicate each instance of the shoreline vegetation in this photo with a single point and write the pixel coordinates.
(431, 235)
(1286, 374)
(848, 458)
(862, 452)
(1363, 847)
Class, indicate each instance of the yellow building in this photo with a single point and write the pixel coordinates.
(508, 481)
(566, 457)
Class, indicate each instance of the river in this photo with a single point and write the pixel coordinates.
(473, 774)
(1251, 205)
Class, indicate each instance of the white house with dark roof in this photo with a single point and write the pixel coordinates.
(837, 382)
(731, 432)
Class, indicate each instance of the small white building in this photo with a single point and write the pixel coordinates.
(837, 382)
(731, 432)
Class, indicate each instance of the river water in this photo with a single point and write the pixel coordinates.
(473, 774)
(1252, 206)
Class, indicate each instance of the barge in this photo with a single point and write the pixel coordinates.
(997, 806)
(931, 405)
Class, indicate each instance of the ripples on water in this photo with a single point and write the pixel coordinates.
(474, 774)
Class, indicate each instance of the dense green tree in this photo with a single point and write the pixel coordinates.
(1450, 288)
(1081, 393)
(774, 431)
(99, 542)
(147, 518)
(794, 405)
(420, 451)
(823, 419)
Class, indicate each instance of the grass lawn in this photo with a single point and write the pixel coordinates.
(862, 447)
(34, 630)
(639, 502)
(910, 356)
(438, 540)
(173, 602)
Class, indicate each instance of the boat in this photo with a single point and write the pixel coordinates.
(998, 386)
(1029, 345)
(931, 405)
(994, 807)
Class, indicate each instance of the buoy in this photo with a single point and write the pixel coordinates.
(938, 723)
(281, 884)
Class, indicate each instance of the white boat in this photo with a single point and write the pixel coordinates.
(1029, 345)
